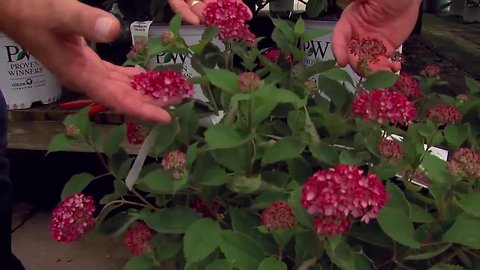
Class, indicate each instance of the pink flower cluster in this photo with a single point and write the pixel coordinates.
(340, 194)
(390, 149)
(134, 135)
(176, 163)
(137, 239)
(384, 106)
(279, 215)
(230, 17)
(465, 162)
(407, 85)
(167, 86)
(72, 218)
(444, 114)
(368, 50)
(273, 54)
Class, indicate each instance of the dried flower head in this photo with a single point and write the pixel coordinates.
(137, 239)
(72, 218)
(384, 106)
(431, 71)
(176, 163)
(139, 49)
(408, 85)
(341, 193)
(167, 86)
(278, 215)
(248, 81)
(444, 114)
(230, 17)
(134, 134)
(273, 54)
(368, 50)
(390, 149)
(464, 162)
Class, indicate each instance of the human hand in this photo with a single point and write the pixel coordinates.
(389, 21)
(191, 10)
(53, 31)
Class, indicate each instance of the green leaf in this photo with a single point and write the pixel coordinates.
(272, 263)
(244, 253)
(213, 176)
(120, 163)
(299, 169)
(59, 142)
(325, 153)
(472, 85)
(307, 246)
(192, 154)
(223, 79)
(456, 134)
(309, 36)
(220, 264)
(158, 181)
(284, 149)
(81, 121)
(444, 266)
(419, 215)
(380, 79)
(221, 136)
(334, 90)
(268, 197)
(285, 28)
(299, 27)
(319, 67)
(338, 74)
(340, 253)
(116, 225)
(210, 33)
(114, 139)
(165, 138)
(436, 169)
(464, 231)
(348, 157)
(76, 184)
(314, 7)
(299, 211)
(164, 249)
(144, 262)
(119, 190)
(397, 199)
(371, 233)
(173, 220)
(396, 224)
(427, 253)
(188, 120)
(175, 24)
(244, 184)
(233, 159)
(204, 233)
(470, 203)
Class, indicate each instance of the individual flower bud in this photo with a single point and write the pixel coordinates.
(248, 81)
(167, 37)
(72, 131)
(279, 215)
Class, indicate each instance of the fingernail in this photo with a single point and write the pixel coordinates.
(102, 28)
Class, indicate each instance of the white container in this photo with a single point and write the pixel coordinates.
(24, 80)
(322, 48)
(457, 7)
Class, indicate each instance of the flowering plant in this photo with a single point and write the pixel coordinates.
(307, 168)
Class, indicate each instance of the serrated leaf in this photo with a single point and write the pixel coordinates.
(472, 85)
(334, 90)
(214, 176)
(114, 139)
(299, 211)
(380, 79)
(396, 224)
(164, 249)
(220, 264)
(144, 262)
(223, 79)
(427, 253)
(192, 154)
(340, 253)
(436, 169)
(173, 220)
(158, 181)
(59, 142)
(272, 263)
(189, 121)
(221, 136)
(371, 233)
(204, 233)
(444, 266)
(455, 134)
(325, 153)
(307, 246)
(464, 231)
(244, 253)
(165, 139)
(284, 149)
(81, 121)
(285, 28)
(338, 74)
(76, 184)
(397, 199)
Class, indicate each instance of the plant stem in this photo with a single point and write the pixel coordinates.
(280, 253)
(99, 154)
(142, 199)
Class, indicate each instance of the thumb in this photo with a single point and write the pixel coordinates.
(73, 17)
(342, 33)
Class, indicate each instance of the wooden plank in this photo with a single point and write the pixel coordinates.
(36, 135)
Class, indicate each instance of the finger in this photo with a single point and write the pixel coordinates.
(145, 111)
(341, 36)
(197, 9)
(180, 7)
(129, 71)
(71, 16)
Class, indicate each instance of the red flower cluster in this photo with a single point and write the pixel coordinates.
(168, 86)
(230, 17)
(368, 50)
(273, 54)
(407, 84)
(444, 114)
(205, 209)
(134, 134)
(390, 149)
(383, 105)
(465, 162)
(278, 215)
(337, 195)
(176, 163)
(72, 218)
(431, 71)
(137, 239)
